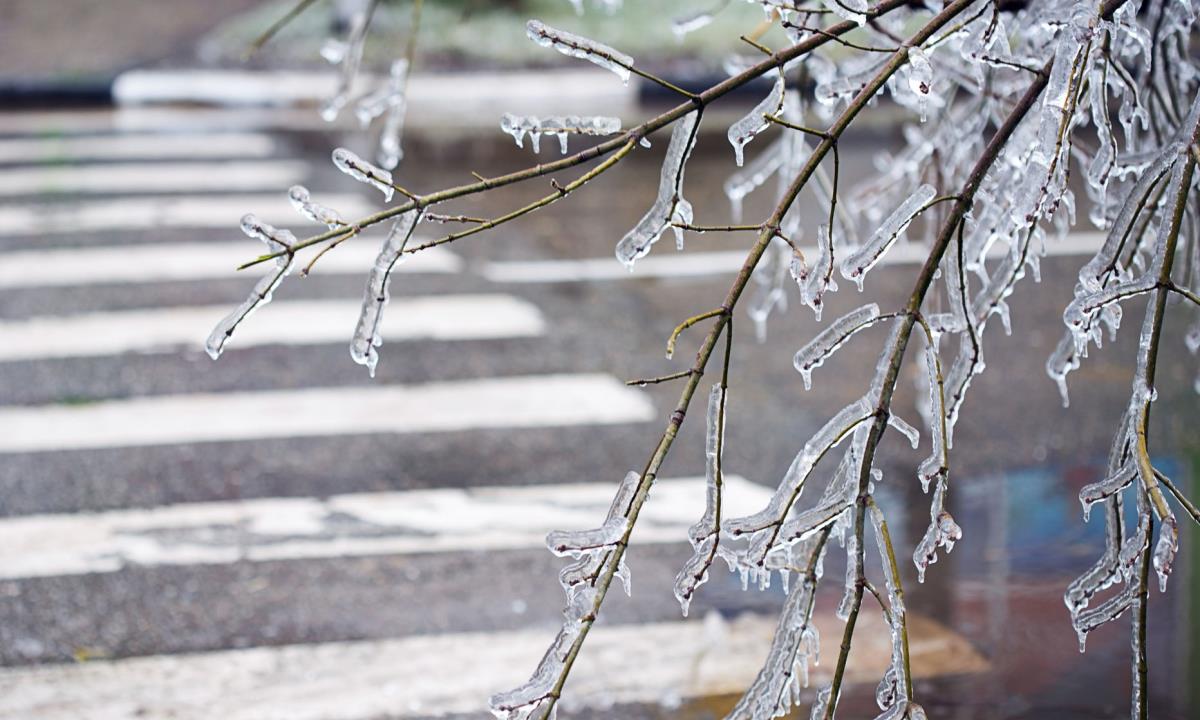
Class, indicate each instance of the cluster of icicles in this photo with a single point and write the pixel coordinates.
(1003, 239)
(388, 99)
(957, 88)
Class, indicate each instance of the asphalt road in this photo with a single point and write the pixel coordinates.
(278, 535)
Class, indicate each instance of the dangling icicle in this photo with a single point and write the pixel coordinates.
(366, 332)
(560, 126)
(645, 233)
(578, 46)
(942, 532)
(745, 129)
(277, 240)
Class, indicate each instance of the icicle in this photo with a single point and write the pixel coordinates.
(558, 125)
(745, 129)
(576, 579)
(704, 534)
(363, 171)
(349, 55)
(813, 355)
(299, 197)
(276, 240)
(387, 95)
(645, 233)
(1165, 549)
(580, 47)
(819, 278)
(366, 332)
(752, 176)
(909, 432)
(1096, 492)
(829, 436)
(853, 570)
(856, 265)
(942, 532)
(1104, 573)
(934, 466)
(689, 23)
(821, 701)
(794, 646)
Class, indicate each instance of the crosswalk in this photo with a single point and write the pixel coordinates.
(386, 594)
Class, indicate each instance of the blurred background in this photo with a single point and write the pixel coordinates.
(277, 535)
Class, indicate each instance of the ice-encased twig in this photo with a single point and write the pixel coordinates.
(776, 687)
(364, 172)
(705, 534)
(937, 463)
(813, 355)
(828, 437)
(637, 242)
(856, 265)
(817, 279)
(577, 580)
(300, 198)
(366, 333)
(578, 46)
(942, 532)
(350, 58)
(276, 240)
(745, 129)
(895, 683)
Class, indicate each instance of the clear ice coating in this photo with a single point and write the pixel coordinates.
(577, 46)
(300, 198)
(852, 10)
(704, 535)
(690, 23)
(379, 278)
(856, 265)
(363, 171)
(276, 240)
(754, 122)
(391, 101)
(813, 355)
(349, 55)
(560, 126)
(920, 77)
(668, 203)
(592, 551)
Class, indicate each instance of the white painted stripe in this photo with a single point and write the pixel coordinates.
(445, 317)
(703, 264)
(164, 262)
(140, 146)
(515, 402)
(199, 211)
(385, 523)
(153, 177)
(434, 675)
(438, 101)
(165, 119)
